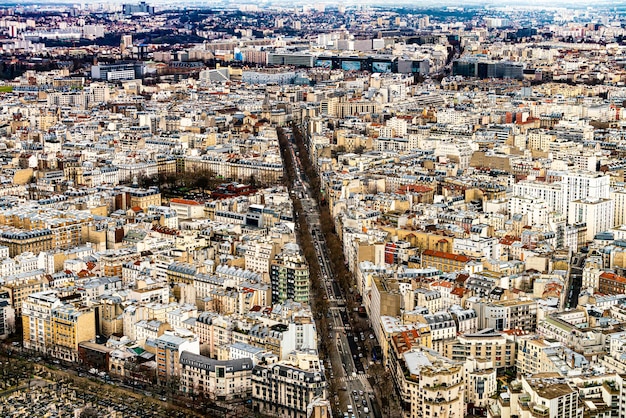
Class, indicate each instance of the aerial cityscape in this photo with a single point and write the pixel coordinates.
(313, 210)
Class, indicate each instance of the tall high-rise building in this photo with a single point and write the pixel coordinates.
(143, 7)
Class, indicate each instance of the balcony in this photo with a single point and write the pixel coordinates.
(540, 411)
(524, 401)
(494, 411)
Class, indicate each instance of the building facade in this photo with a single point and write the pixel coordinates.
(282, 390)
(217, 379)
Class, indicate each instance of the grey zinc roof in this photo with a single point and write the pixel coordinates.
(209, 364)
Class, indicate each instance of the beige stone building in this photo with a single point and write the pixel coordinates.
(217, 379)
(54, 328)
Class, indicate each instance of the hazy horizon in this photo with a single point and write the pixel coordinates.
(543, 4)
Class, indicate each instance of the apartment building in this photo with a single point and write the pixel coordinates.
(144, 198)
(385, 301)
(239, 168)
(442, 329)
(441, 391)
(586, 341)
(112, 261)
(413, 370)
(258, 257)
(20, 285)
(37, 319)
(446, 262)
(215, 331)
(550, 193)
(65, 227)
(466, 319)
(532, 356)
(71, 325)
(187, 209)
(580, 185)
(20, 241)
(53, 328)
(598, 214)
(7, 316)
(619, 199)
(544, 395)
(480, 380)
(289, 275)
(282, 390)
(485, 344)
(169, 348)
(507, 314)
(222, 380)
(611, 284)
(429, 299)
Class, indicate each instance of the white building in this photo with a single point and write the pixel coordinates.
(537, 211)
(480, 382)
(619, 197)
(578, 185)
(259, 254)
(596, 213)
(550, 193)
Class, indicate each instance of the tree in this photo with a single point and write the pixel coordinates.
(89, 412)
(201, 182)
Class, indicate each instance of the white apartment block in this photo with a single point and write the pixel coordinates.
(258, 256)
(596, 213)
(540, 140)
(455, 150)
(477, 246)
(536, 211)
(549, 397)
(619, 199)
(507, 314)
(480, 381)
(579, 185)
(550, 193)
(428, 385)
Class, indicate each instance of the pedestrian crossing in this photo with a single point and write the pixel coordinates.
(361, 377)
